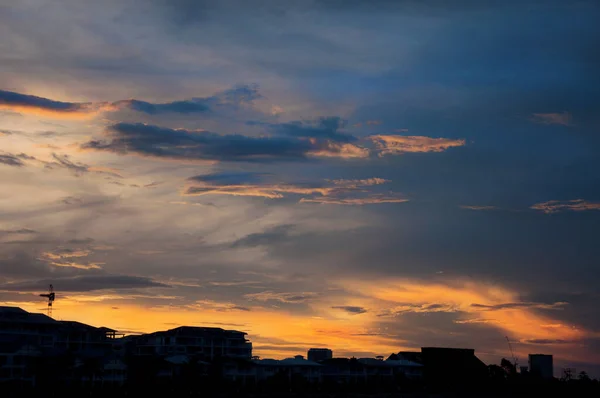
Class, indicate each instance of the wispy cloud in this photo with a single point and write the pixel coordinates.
(563, 118)
(84, 283)
(253, 184)
(77, 265)
(66, 253)
(398, 144)
(21, 231)
(369, 200)
(197, 146)
(217, 306)
(503, 306)
(25, 103)
(475, 207)
(10, 159)
(417, 308)
(283, 297)
(236, 96)
(547, 341)
(554, 206)
(350, 309)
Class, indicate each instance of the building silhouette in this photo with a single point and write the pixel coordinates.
(541, 365)
(319, 354)
(203, 342)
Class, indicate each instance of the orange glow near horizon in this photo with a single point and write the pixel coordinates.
(281, 332)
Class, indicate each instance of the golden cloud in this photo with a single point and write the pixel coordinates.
(398, 144)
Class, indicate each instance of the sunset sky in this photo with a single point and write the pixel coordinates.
(368, 176)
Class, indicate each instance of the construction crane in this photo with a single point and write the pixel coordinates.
(512, 353)
(50, 296)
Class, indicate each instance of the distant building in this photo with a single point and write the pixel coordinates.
(319, 354)
(206, 343)
(541, 365)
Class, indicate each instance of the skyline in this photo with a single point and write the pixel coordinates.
(342, 174)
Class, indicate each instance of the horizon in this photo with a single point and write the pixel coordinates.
(367, 176)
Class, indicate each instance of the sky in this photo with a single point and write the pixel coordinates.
(365, 176)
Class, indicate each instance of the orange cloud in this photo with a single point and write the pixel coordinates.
(332, 149)
(473, 302)
(563, 118)
(554, 206)
(199, 186)
(397, 144)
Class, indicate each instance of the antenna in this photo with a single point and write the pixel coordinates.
(512, 353)
(50, 295)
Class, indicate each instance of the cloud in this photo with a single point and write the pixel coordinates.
(17, 102)
(504, 306)
(353, 310)
(21, 231)
(254, 184)
(563, 118)
(417, 308)
(398, 144)
(282, 297)
(66, 253)
(267, 238)
(554, 206)
(546, 341)
(321, 128)
(65, 162)
(236, 96)
(204, 305)
(247, 184)
(10, 159)
(81, 241)
(65, 258)
(84, 283)
(76, 265)
(196, 146)
(369, 200)
(478, 207)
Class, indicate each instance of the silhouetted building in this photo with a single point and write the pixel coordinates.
(444, 366)
(541, 365)
(412, 356)
(25, 337)
(319, 354)
(391, 368)
(203, 342)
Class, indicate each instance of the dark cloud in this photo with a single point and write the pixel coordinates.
(190, 106)
(234, 97)
(188, 145)
(353, 310)
(18, 101)
(85, 283)
(322, 128)
(283, 297)
(547, 341)
(14, 160)
(64, 161)
(22, 231)
(504, 306)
